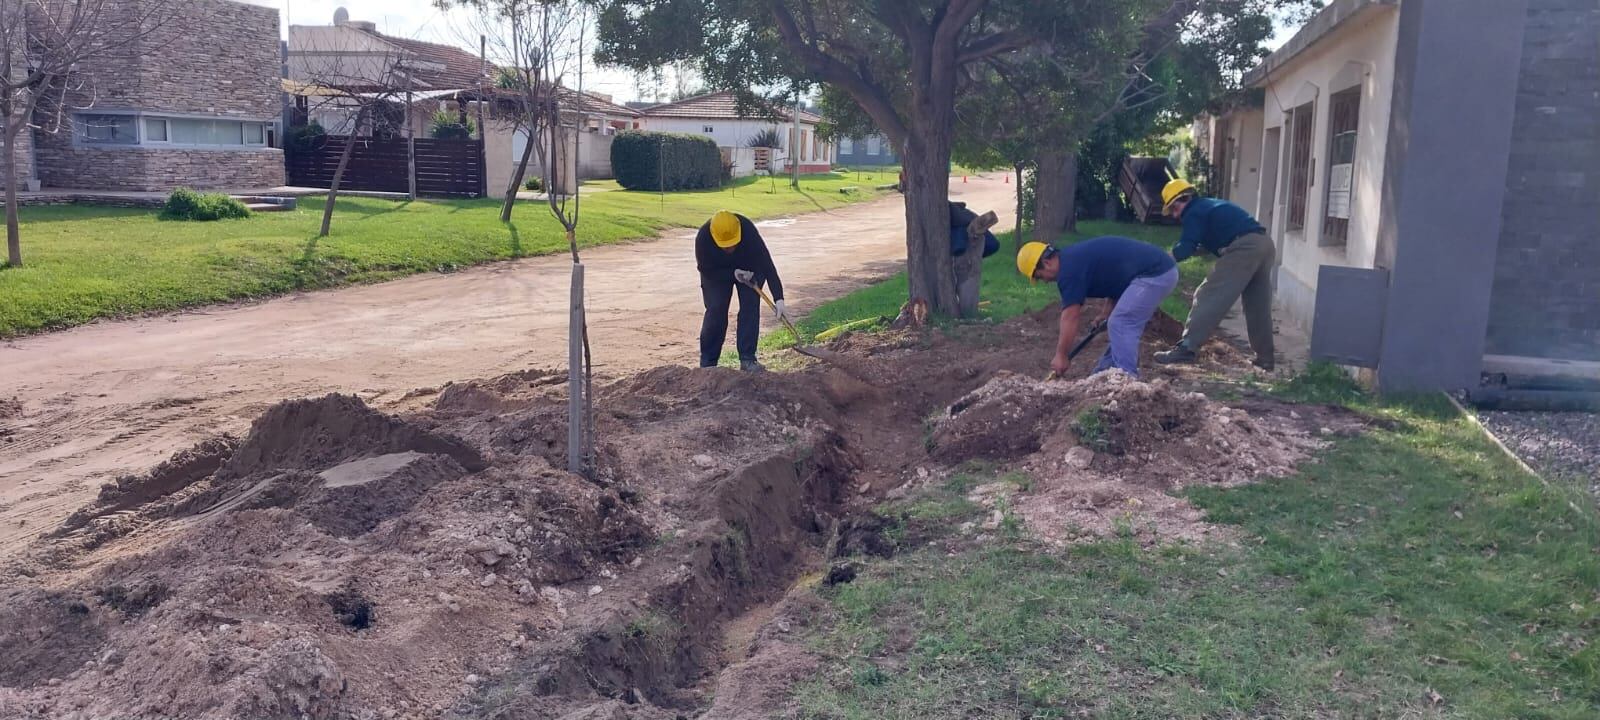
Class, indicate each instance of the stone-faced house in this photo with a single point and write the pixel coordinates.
(194, 103)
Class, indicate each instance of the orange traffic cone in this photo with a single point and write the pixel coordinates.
(963, 179)
(1008, 180)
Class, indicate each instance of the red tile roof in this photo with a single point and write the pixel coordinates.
(444, 67)
(718, 106)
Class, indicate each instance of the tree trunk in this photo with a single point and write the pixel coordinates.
(13, 232)
(338, 175)
(929, 267)
(517, 178)
(1055, 186)
(1016, 236)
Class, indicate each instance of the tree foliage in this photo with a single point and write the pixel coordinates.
(903, 63)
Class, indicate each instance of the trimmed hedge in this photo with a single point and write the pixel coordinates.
(665, 161)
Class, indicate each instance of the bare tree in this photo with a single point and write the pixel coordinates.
(54, 55)
(540, 46)
(532, 44)
(364, 93)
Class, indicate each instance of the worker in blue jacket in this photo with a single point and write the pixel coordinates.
(963, 225)
(1246, 258)
(732, 257)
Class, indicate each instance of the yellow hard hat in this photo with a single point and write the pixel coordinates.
(725, 229)
(1172, 190)
(1028, 258)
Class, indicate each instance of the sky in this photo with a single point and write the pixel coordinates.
(420, 19)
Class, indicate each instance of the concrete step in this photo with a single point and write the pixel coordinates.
(268, 207)
(282, 202)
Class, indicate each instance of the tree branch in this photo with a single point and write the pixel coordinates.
(997, 44)
(872, 98)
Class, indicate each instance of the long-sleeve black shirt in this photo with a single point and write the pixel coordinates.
(750, 254)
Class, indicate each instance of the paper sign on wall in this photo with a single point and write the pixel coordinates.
(1339, 177)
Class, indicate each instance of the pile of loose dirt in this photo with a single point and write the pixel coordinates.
(1105, 452)
(335, 558)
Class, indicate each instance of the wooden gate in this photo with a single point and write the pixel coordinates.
(445, 168)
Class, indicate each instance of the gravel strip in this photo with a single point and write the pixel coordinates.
(1557, 444)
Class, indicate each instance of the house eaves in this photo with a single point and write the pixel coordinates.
(720, 105)
(1337, 14)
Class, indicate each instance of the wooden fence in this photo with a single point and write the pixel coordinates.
(445, 168)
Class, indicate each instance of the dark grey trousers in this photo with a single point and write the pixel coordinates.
(1243, 272)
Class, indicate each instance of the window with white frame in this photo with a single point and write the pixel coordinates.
(707, 128)
(874, 145)
(846, 146)
(167, 131)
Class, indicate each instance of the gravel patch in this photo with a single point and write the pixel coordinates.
(1558, 444)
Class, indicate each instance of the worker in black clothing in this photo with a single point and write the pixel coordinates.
(730, 254)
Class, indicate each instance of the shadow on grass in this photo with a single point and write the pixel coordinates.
(368, 213)
(516, 240)
(811, 199)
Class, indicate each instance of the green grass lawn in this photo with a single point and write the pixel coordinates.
(83, 263)
(1412, 572)
(1005, 292)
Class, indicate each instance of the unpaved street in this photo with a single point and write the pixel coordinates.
(117, 397)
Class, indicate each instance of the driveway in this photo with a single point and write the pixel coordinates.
(117, 397)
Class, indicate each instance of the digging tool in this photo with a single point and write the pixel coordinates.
(1094, 330)
(799, 345)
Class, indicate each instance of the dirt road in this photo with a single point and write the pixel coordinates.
(118, 397)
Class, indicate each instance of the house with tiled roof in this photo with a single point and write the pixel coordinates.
(432, 78)
(719, 116)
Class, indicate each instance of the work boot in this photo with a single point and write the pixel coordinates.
(1265, 364)
(752, 366)
(1179, 354)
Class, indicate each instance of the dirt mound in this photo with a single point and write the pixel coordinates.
(319, 433)
(1104, 452)
(344, 466)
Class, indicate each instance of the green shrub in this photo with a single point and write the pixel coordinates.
(766, 138)
(665, 161)
(450, 126)
(534, 184)
(304, 137)
(186, 204)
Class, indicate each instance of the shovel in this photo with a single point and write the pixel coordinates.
(1094, 330)
(798, 347)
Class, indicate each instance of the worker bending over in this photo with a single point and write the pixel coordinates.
(966, 224)
(1132, 276)
(730, 254)
(1245, 259)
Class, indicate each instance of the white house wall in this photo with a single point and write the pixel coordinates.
(737, 134)
(1243, 174)
(1369, 41)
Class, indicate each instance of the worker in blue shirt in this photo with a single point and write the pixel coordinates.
(1245, 261)
(1133, 277)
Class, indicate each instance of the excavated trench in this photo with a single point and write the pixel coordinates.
(340, 562)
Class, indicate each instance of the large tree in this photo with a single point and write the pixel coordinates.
(1038, 109)
(903, 62)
